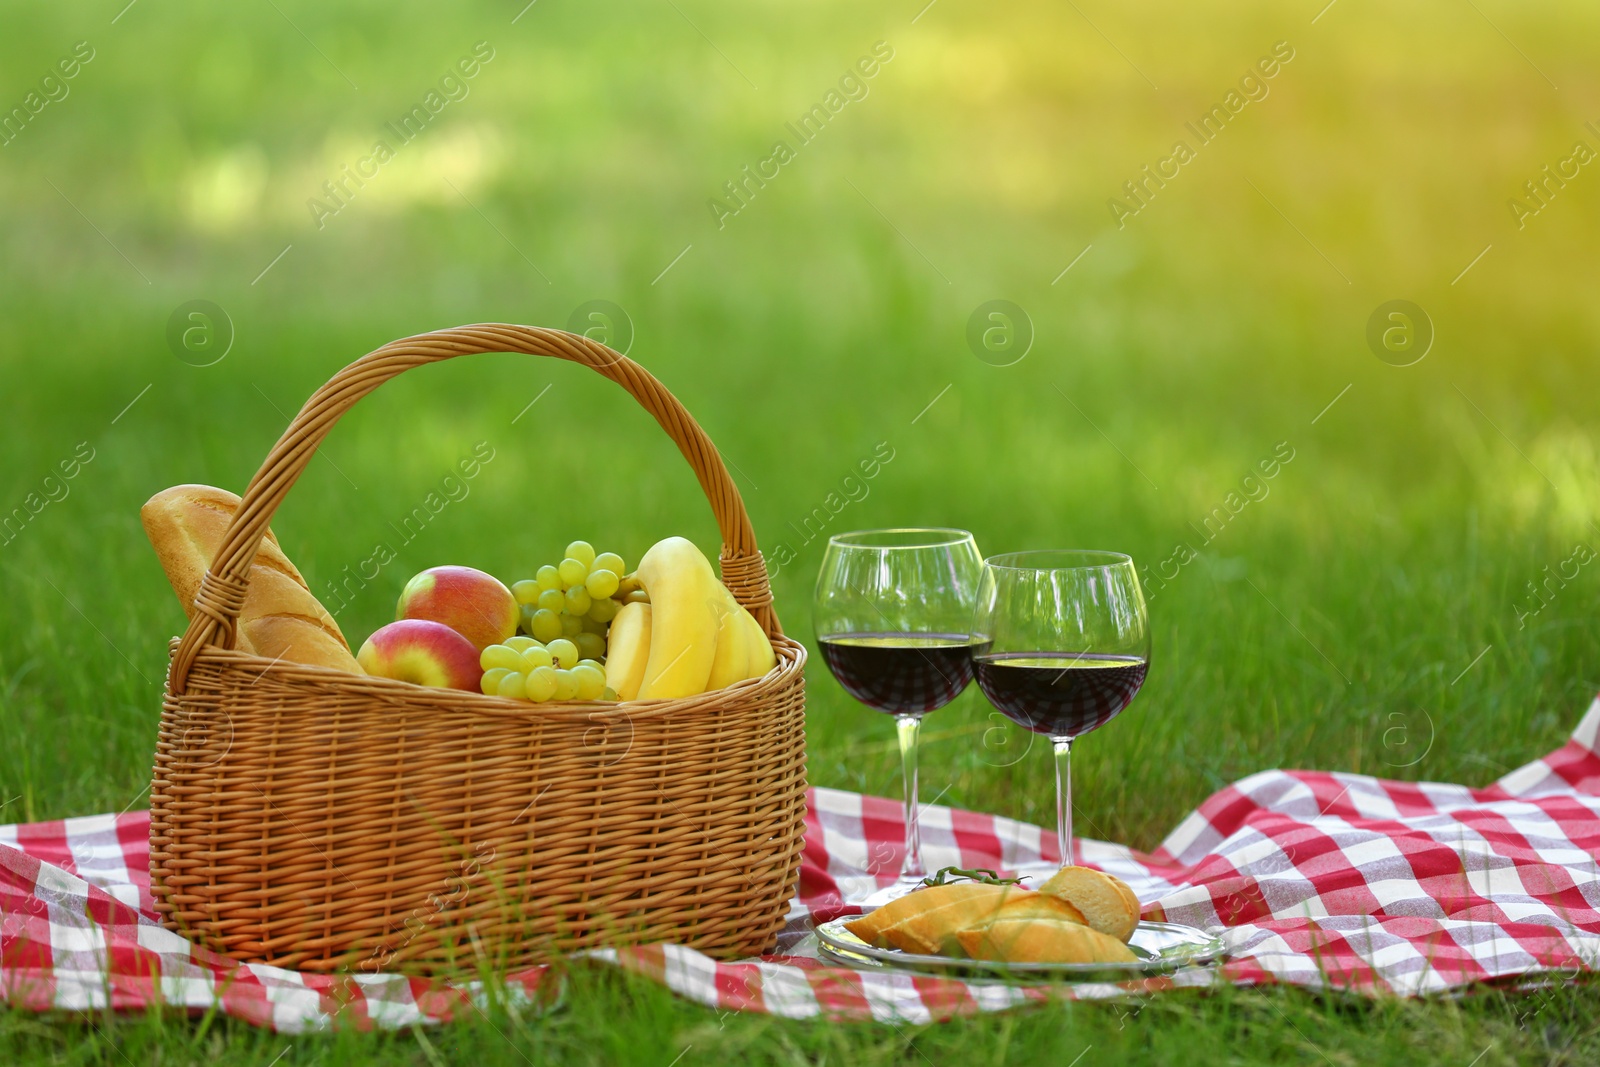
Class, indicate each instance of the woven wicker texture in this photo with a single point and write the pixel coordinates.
(319, 820)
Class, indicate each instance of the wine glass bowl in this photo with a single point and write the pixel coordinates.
(893, 615)
(876, 670)
(1061, 645)
(1028, 689)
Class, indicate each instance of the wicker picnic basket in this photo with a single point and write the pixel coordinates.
(319, 820)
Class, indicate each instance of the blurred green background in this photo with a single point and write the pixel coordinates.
(1370, 613)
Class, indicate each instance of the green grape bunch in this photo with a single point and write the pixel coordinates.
(571, 601)
(525, 669)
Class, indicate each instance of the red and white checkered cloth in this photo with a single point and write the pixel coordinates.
(1317, 879)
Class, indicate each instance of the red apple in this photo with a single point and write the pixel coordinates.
(423, 653)
(475, 605)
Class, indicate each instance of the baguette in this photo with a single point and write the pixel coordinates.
(873, 926)
(1107, 904)
(934, 932)
(1042, 941)
(926, 921)
(280, 619)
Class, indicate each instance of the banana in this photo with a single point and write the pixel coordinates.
(732, 661)
(628, 650)
(684, 593)
(762, 658)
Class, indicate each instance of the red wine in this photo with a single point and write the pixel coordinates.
(900, 673)
(1062, 694)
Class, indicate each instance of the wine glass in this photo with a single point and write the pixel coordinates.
(893, 615)
(1061, 643)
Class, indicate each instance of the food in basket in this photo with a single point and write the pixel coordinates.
(1078, 916)
(690, 611)
(628, 650)
(280, 618)
(762, 657)
(684, 593)
(669, 629)
(473, 604)
(422, 652)
(524, 669)
(573, 598)
(743, 650)
(679, 633)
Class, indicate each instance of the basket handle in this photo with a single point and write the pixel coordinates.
(222, 590)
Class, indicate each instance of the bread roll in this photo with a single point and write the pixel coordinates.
(1107, 904)
(1042, 941)
(280, 618)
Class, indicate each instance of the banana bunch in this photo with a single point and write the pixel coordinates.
(686, 635)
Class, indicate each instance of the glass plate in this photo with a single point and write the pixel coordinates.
(1162, 948)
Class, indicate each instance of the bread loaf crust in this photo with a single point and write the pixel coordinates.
(926, 921)
(1042, 941)
(280, 618)
(1107, 904)
(873, 927)
(1079, 915)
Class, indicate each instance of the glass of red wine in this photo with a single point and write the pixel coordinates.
(893, 615)
(1061, 643)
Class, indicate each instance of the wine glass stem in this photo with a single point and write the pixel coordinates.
(1063, 746)
(908, 726)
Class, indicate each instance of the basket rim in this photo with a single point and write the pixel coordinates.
(791, 657)
(225, 585)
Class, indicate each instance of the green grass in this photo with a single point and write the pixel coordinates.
(603, 1017)
(820, 321)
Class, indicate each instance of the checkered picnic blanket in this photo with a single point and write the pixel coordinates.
(1322, 880)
